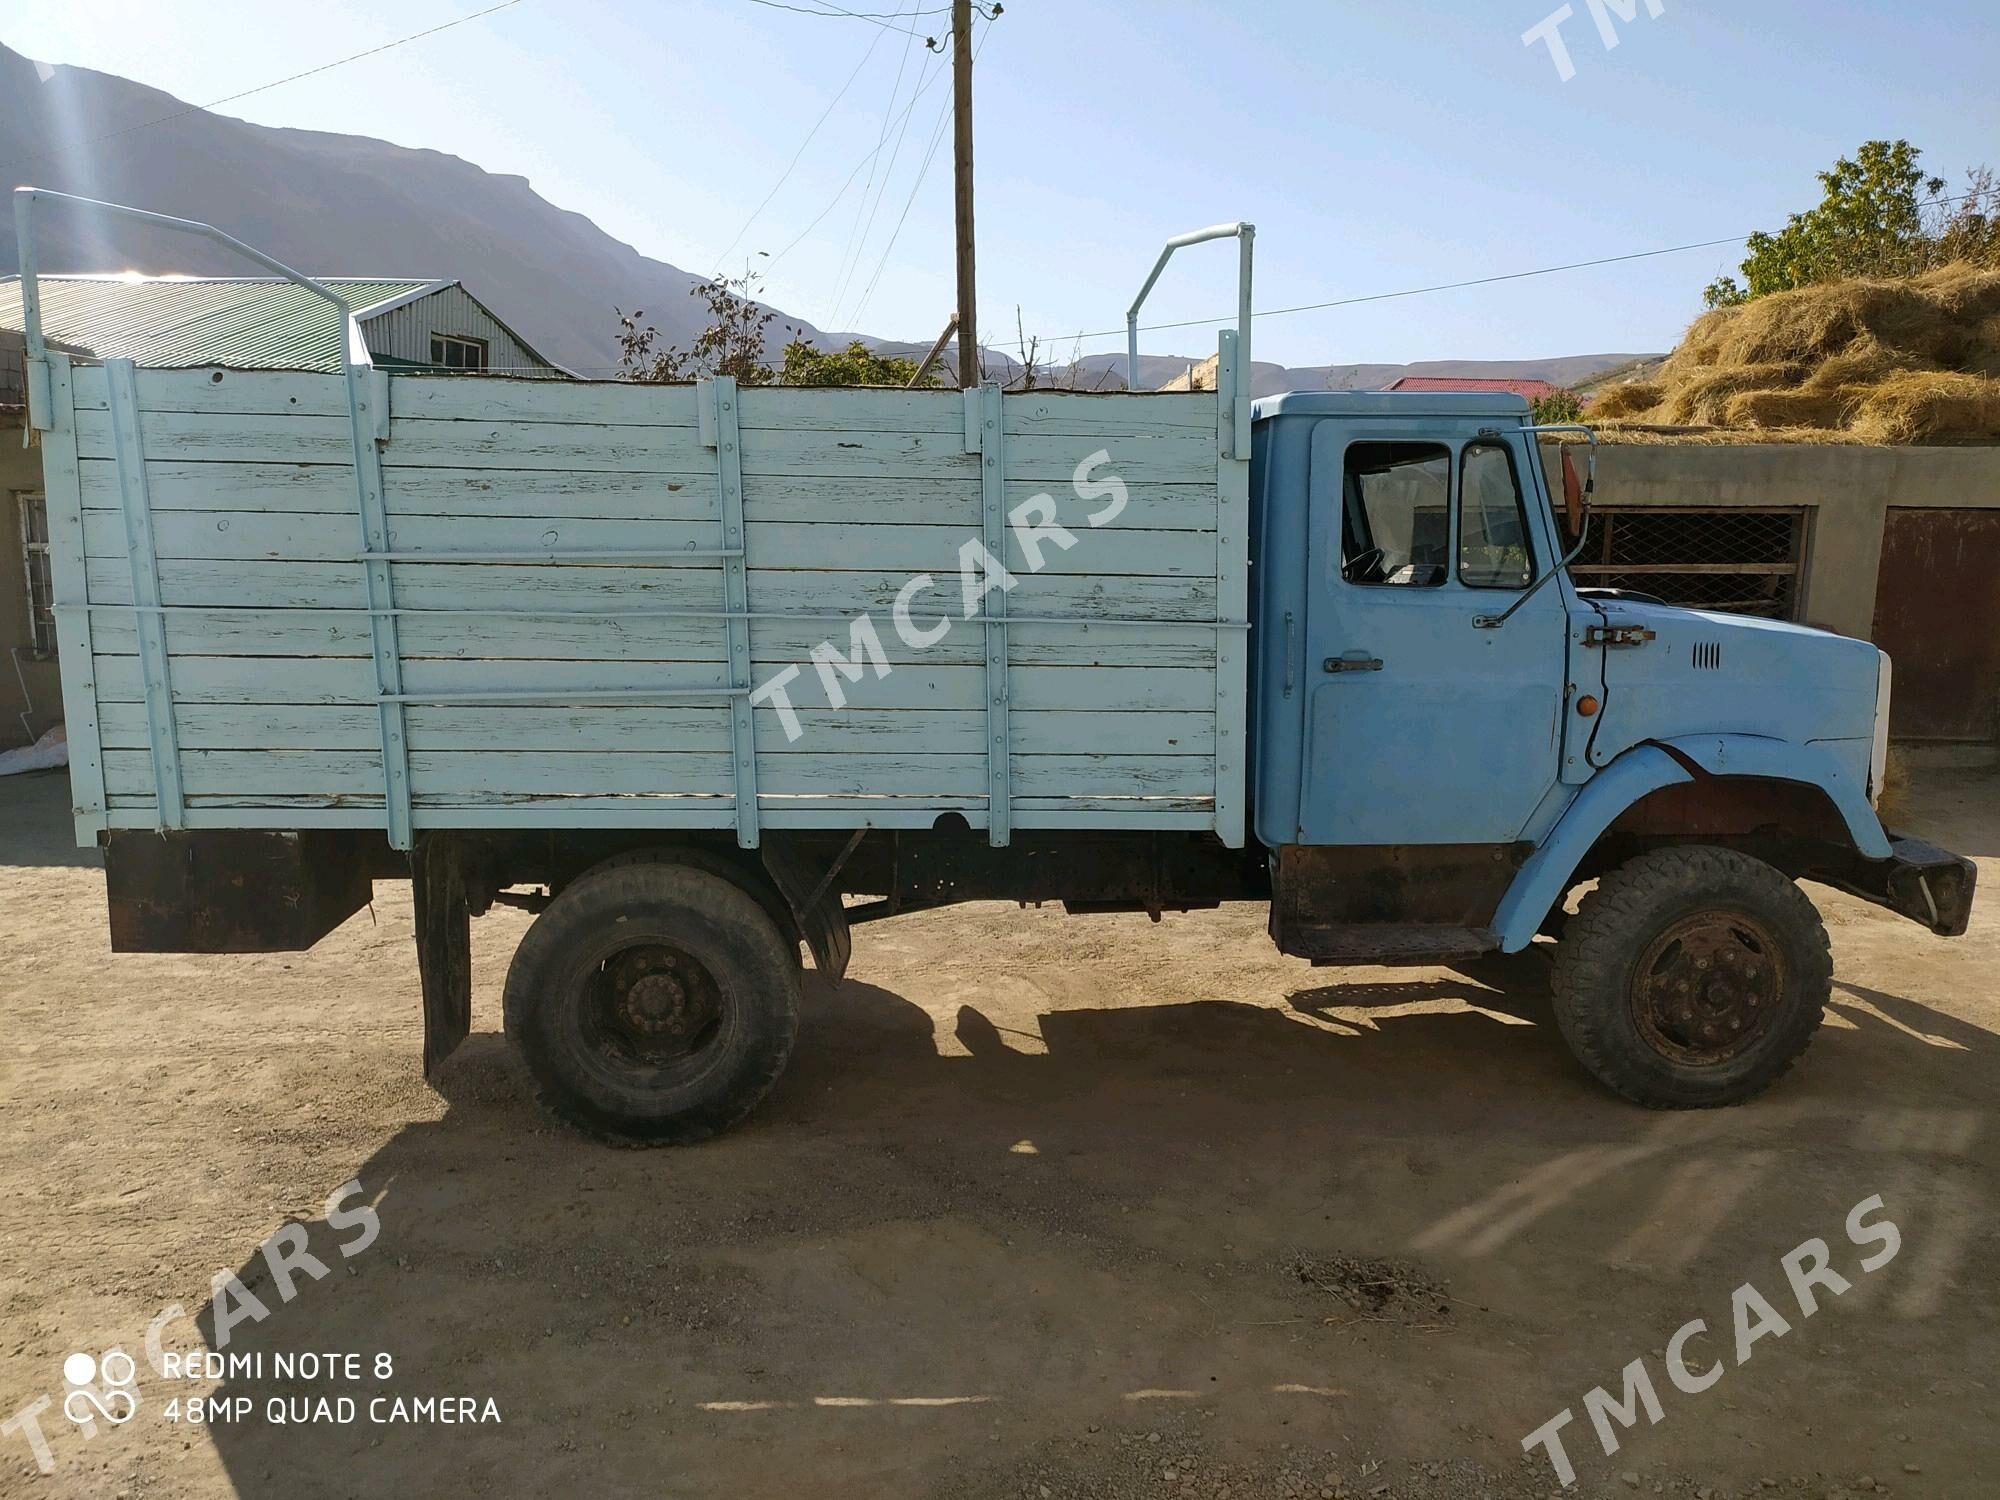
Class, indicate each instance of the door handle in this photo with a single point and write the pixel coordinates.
(1353, 661)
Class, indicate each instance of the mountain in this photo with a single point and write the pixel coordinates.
(344, 205)
(1107, 371)
(327, 204)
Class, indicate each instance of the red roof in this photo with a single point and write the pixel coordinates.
(1533, 390)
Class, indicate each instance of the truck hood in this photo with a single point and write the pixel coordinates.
(1705, 673)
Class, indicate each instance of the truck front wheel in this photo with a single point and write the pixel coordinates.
(654, 1003)
(1692, 977)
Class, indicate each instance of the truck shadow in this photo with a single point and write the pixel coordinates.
(35, 817)
(945, 1230)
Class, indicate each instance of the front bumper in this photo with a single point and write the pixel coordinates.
(1919, 881)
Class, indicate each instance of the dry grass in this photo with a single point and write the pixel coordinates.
(1861, 361)
(1627, 400)
(1925, 406)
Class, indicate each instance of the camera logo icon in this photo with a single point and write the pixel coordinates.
(116, 1401)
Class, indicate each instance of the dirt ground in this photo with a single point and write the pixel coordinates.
(1047, 1207)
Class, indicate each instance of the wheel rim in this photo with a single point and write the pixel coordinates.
(650, 1005)
(1709, 988)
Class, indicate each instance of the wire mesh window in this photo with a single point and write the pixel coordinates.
(41, 588)
(1740, 561)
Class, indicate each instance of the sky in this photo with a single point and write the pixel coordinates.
(1378, 145)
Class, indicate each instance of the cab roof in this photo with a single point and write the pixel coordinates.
(1389, 404)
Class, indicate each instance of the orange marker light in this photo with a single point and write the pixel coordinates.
(1586, 705)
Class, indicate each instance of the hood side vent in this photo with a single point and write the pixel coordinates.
(1706, 655)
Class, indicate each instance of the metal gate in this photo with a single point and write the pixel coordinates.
(1741, 561)
(1937, 614)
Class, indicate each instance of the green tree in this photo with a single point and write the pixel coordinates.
(808, 364)
(734, 341)
(1556, 408)
(1877, 218)
(731, 344)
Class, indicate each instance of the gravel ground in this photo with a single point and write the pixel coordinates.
(1046, 1207)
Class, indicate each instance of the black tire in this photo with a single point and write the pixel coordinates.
(654, 1003)
(1692, 977)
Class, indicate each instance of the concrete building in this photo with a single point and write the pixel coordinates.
(1900, 546)
(30, 689)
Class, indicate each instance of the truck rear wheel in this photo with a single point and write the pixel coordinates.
(1692, 977)
(654, 1003)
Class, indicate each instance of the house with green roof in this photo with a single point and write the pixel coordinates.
(267, 323)
(236, 322)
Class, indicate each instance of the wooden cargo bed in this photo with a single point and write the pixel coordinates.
(574, 589)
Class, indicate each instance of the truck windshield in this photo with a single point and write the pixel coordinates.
(1492, 521)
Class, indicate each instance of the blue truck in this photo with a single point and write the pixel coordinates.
(703, 673)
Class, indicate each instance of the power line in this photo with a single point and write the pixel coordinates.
(195, 109)
(793, 163)
(850, 250)
(1418, 291)
(841, 191)
(848, 270)
(834, 13)
(937, 139)
(1454, 286)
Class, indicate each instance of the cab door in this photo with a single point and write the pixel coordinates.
(1425, 725)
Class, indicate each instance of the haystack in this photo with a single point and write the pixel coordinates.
(1877, 361)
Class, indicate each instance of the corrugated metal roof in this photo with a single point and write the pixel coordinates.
(245, 322)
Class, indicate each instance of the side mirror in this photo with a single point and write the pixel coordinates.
(1576, 495)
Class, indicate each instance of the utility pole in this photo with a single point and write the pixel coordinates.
(961, 152)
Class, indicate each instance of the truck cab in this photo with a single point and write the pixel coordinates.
(1450, 736)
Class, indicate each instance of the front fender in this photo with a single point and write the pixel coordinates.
(1546, 874)
(1786, 760)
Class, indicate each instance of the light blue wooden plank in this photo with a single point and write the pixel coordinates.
(300, 585)
(240, 679)
(466, 495)
(249, 536)
(317, 633)
(232, 438)
(622, 403)
(776, 642)
(478, 778)
(647, 813)
(461, 493)
(579, 447)
(1232, 599)
(1109, 414)
(74, 624)
(648, 730)
(849, 410)
(121, 382)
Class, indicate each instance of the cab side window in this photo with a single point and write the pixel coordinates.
(1396, 514)
(1492, 521)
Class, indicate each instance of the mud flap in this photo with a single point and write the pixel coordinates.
(814, 898)
(444, 945)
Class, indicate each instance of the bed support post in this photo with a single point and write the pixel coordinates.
(444, 944)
